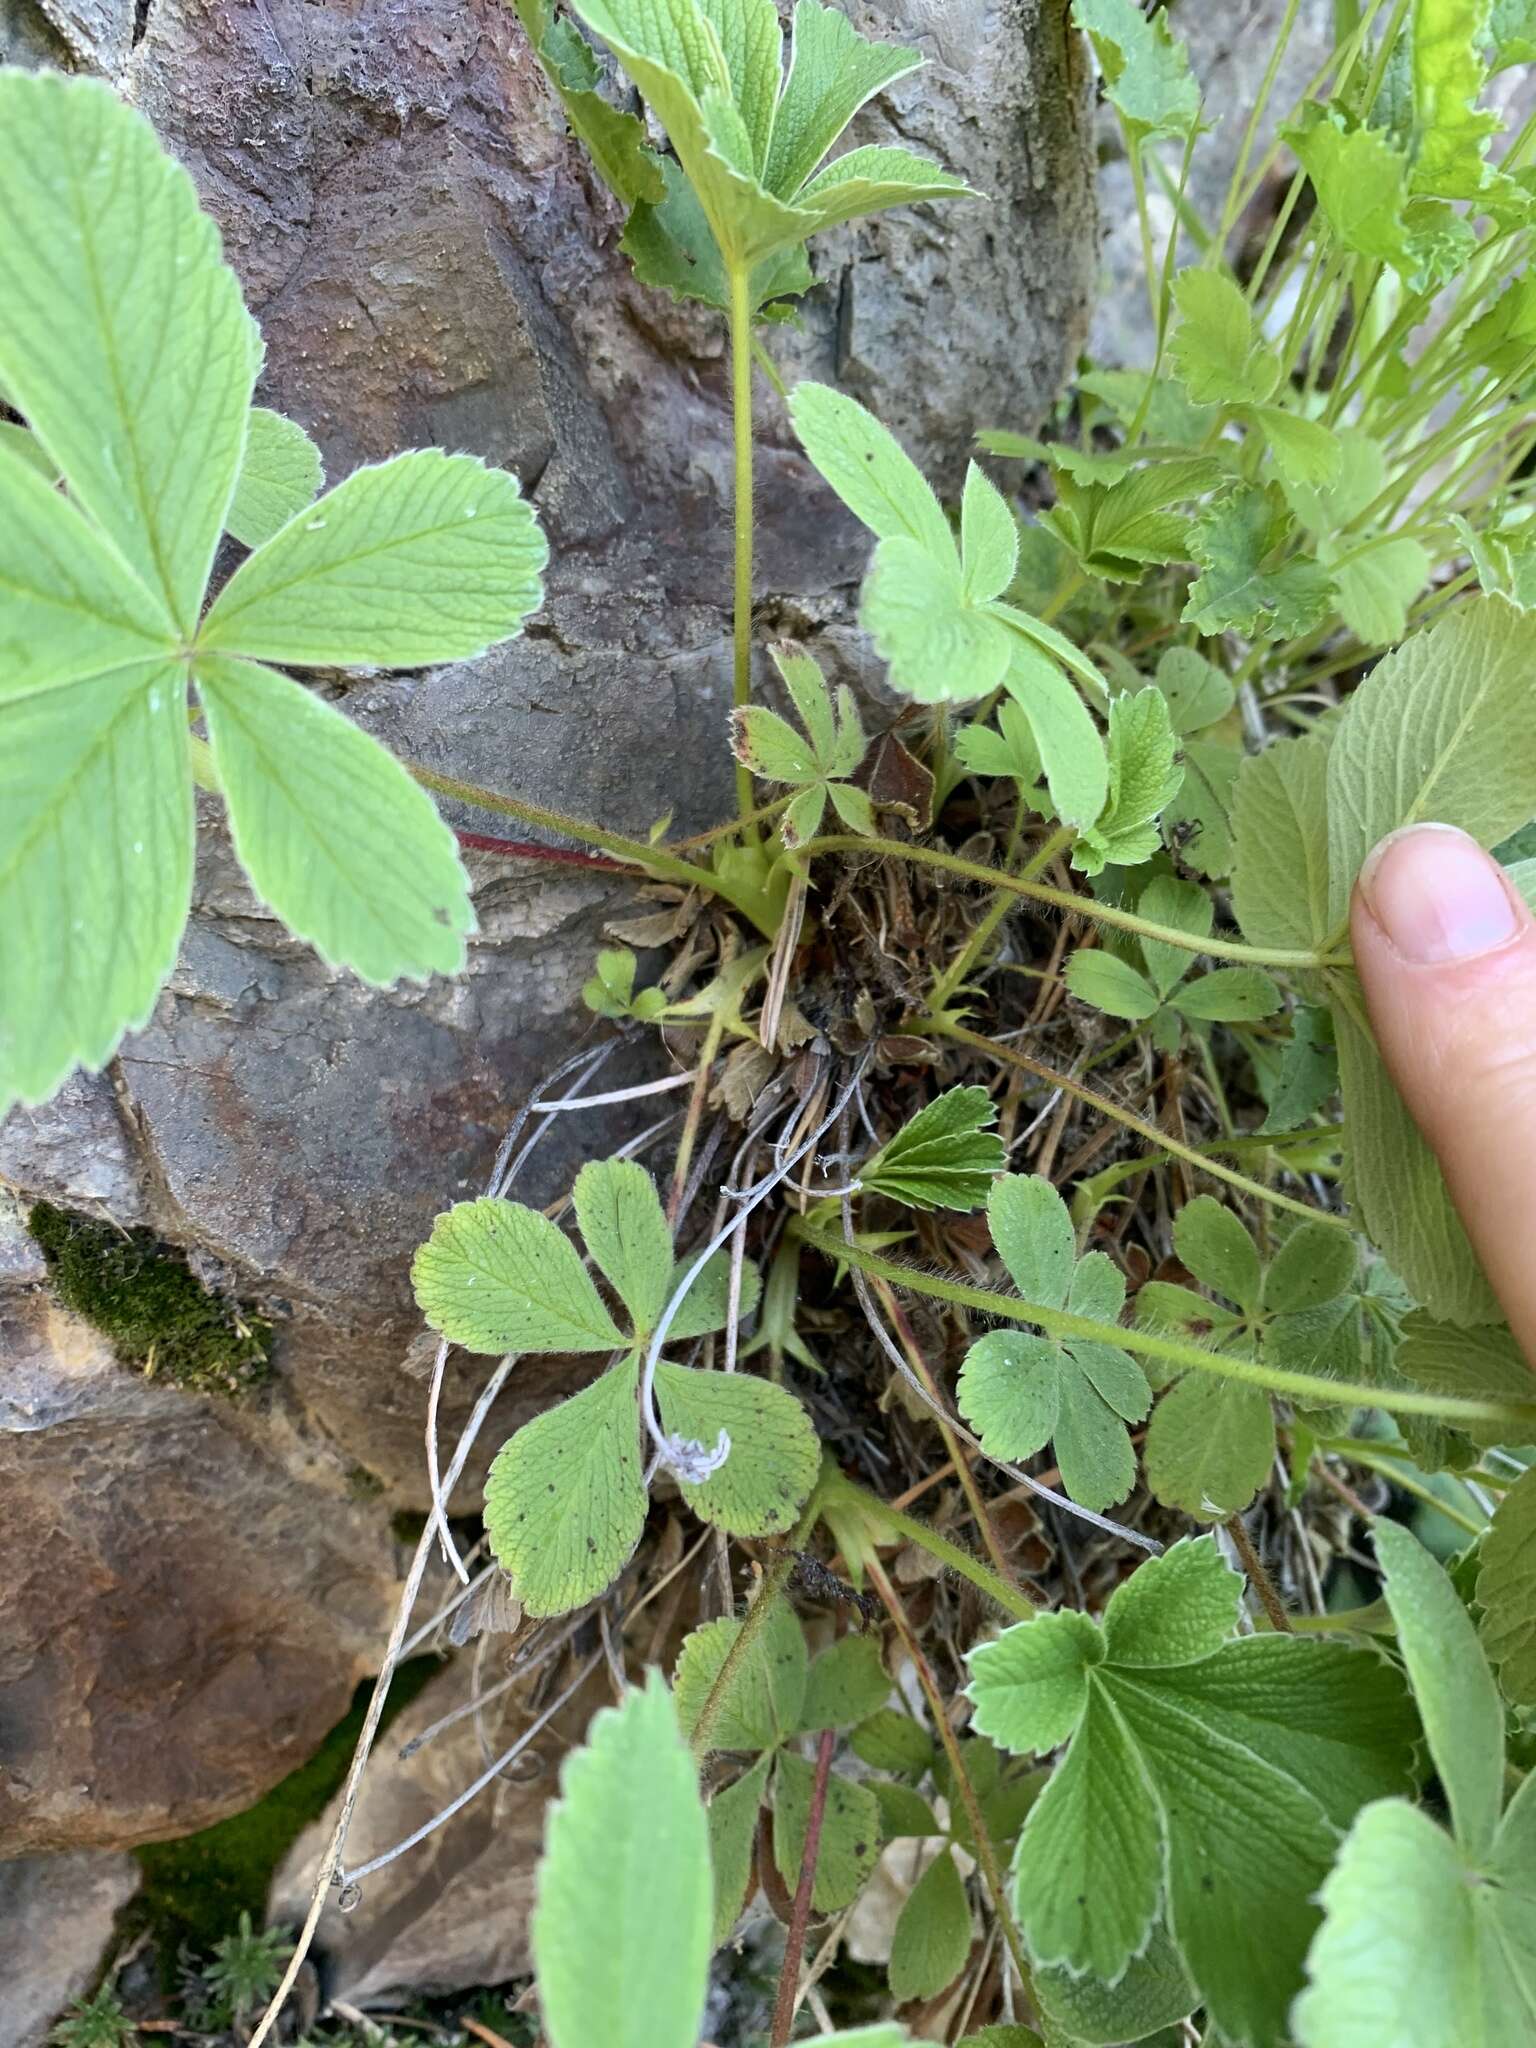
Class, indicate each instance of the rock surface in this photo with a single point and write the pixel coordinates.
(432, 261)
(57, 1915)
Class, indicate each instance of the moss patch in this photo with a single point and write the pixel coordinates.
(154, 1311)
(195, 1889)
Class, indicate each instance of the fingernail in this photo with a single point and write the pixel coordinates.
(1437, 895)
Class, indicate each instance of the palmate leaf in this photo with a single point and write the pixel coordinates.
(1222, 359)
(101, 224)
(626, 1850)
(333, 833)
(1243, 585)
(1229, 1764)
(1431, 1936)
(946, 1157)
(1146, 71)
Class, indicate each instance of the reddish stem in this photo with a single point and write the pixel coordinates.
(530, 849)
(800, 1913)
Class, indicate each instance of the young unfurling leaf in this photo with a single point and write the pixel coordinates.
(1202, 1774)
(816, 765)
(1020, 1391)
(1144, 777)
(946, 1157)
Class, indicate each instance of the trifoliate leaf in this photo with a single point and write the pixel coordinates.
(1280, 887)
(869, 470)
(833, 71)
(624, 1227)
(430, 557)
(1228, 1767)
(847, 1684)
(335, 836)
(1436, 731)
(565, 1497)
(946, 1157)
(1506, 1591)
(123, 339)
(1144, 776)
(495, 1276)
(765, 1699)
(1155, 1992)
(626, 1850)
(933, 1933)
(732, 1835)
(1244, 586)
(1110, 985)
(1216, 349)
(1228, 995)
(1210, 1445)
(850, 1833)
(279, 475)
(611, 990)
(1181, 906)
(774, 1455)
(96, 841)
(1020, 1391)
(1146, 71)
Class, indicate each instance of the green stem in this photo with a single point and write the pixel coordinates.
(653, 860)
(1064, 899)
(950, 1555)
(1407, 1482)
(1175, 1351)
(772, 1588)
(741, 431)
(954, 975)
(943, 1027)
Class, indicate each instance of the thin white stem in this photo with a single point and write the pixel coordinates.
(660, 1087)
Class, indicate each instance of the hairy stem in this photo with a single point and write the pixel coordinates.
(652, 860)
(999, 1590)
(800, 1913)
(741, 434)
(1162, 1140)
(1064, 899)
(1168, 1350)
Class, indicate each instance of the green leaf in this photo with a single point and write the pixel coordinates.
(1415, 1951)
(1154, 1992)
(869, 470)
(1144, 776)
(850, 1833)
(902, 1812)
(1215, 348)
(1377, 587)
(774, 1457)
(123, 338)
(1243, 587)
(1302, 450)
(1229, 995)
(495, 1277)
(933, 1933)
(770, 746)
(1034, 1237)
(431, 557)
(766, 1698)
(848, 1683)
(939, 648)
(888, 2035)
(1316, 1264)
(625, 1229)
(1483, 1363)
(1185, 907)
(1452, 1685)
(1218, 1250)
(946, 1157)
(1229, 1764)
(1361, 183)
(626, 1850)
(1031, 1686)
(278, 478)
(1198, 693)
(1451, 130)
(873, 180)
(1185, 1610)
(989, 538)
(1197, 821)
(732, 1833)
(1512, 26)
(1146, 72)
(1308, 1073)
(24, 445)
(893, 1741)
(1436, 731)
(1506, 1591)
(565, 1497)
(96, 842)
(335, 836)
(1010, 750)
(1210, 1445)
(707, 1304)
(72, 611)
(1118, 528)
(1066, 738)
(1280, 887)
(615, 141)
(833, 71)
(1110, 985)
